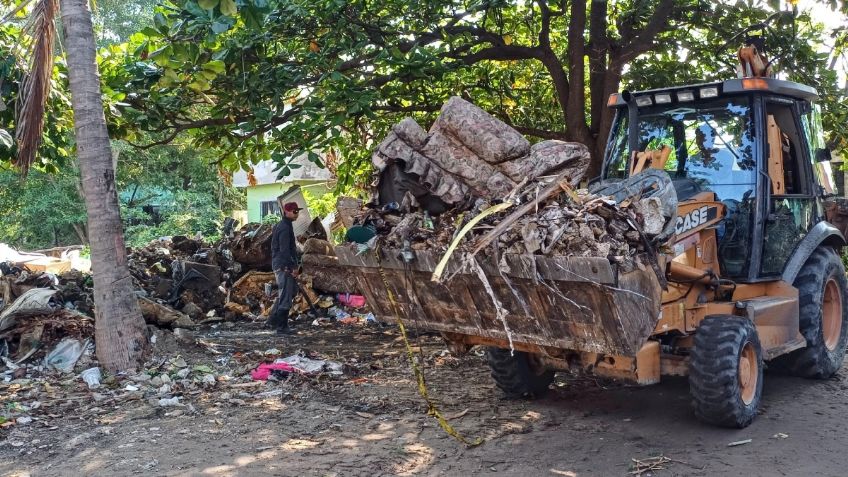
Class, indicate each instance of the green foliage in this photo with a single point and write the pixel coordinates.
(320, 205)
(57, 141)
(179, 180)
(189, 214)
(116, 20)
(271, 219)
(260, 79)
(798, 45)
(275, 78)
(43, 211)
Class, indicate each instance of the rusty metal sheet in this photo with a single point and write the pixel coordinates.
(579, 304)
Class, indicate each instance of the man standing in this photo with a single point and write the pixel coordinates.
(284, 264)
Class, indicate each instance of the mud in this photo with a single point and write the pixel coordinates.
(372, 422)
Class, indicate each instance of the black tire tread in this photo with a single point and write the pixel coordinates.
(514, 376)
(815, 361)
(713, 368)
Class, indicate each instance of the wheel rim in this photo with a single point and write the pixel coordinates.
(831, 314)
(748, 373)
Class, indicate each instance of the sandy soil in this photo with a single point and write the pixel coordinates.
(372, 422)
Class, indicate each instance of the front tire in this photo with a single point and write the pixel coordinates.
(726, 371)
(821, 285)
(516, 374)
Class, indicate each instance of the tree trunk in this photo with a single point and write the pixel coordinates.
(119, 328)
(612, 79)
(81, 233)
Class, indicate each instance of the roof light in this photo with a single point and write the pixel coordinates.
(613, 99)
(644, 101)
(684, 96)
(754, 83)
(710, 92)
(662, 98)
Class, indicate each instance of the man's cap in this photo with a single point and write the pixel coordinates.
(292, 207)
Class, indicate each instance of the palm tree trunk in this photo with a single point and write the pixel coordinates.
(119, 328)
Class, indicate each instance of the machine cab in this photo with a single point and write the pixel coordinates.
(754, 144)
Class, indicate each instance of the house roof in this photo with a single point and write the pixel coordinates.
(266, 173)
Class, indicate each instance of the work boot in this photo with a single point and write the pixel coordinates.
(281, 319)
(277, 319)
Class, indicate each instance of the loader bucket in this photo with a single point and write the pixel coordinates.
(574, 303)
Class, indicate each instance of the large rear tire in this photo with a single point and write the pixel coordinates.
(823, 308)
(517, 375)
(726, 371)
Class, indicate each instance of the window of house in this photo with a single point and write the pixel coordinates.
(269, 207)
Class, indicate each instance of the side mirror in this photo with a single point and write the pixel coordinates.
(823, 155)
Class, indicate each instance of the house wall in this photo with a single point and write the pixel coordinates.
(267, 192)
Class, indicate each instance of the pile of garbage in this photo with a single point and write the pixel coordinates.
(181, 283)
(69, 380)
(473, 170)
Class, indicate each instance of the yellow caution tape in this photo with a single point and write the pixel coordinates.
(432, 410)
(440, 268)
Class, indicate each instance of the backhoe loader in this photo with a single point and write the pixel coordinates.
(750, 270)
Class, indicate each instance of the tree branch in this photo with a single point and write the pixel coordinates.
(167, 139)
(598, 48)
(503, 53)
(540, 133)
(575, 112)
(545, 31)
(643, 40)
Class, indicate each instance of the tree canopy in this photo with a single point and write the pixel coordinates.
(247, 80)
(260, 79)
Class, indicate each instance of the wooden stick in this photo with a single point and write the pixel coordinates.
(560, 183)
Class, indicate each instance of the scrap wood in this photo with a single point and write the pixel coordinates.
(5, 293)
(646, 465)
(163, 315)
(440, 268)
(560, 183)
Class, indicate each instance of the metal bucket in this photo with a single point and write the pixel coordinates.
(575, 303)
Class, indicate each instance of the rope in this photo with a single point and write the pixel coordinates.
(432, 410)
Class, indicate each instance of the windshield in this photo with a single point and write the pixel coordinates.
(711, 145)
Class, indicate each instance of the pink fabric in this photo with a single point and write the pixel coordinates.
(264, 370)
(355, 301)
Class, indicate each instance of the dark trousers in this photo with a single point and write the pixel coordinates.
(287, 289)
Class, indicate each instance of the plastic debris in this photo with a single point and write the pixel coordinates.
(355, 301)
(92, 376)
(165, 402)
(64, 355)
(312, 366)
(263, 371)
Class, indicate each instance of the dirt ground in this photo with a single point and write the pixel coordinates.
(372, 422)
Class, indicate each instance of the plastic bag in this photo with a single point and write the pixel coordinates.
(65, 355)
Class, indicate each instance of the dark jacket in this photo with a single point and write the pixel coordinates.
(283, 247)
